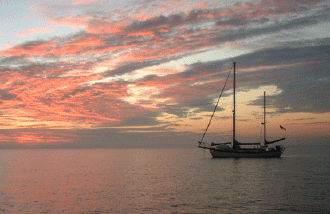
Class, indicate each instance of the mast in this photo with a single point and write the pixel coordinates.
(234, 86)
(264, 123)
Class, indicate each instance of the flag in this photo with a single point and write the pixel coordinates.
(282, 128)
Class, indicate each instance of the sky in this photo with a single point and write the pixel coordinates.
(127, 74)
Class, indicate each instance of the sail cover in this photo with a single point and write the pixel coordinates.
(274, 141)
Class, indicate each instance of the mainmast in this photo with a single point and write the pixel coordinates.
(264, 123)
(234, 86)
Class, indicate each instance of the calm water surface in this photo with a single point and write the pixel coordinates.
(163, 181)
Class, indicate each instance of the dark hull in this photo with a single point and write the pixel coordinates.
(242, 153)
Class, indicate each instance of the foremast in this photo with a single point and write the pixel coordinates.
(266, 143)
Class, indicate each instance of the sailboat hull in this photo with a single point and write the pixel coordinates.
(245, 153)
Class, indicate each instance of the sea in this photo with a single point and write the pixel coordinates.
(163, 180)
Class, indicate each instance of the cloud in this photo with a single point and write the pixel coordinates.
(300, 72)
(111, 72)
(84, 2)
(34, 31)
(6, 96)
(71, 21)
(25, 138)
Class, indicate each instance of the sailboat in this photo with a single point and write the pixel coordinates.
(236, 149)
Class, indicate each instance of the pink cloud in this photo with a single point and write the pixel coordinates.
(73, 21)
(84, 2)
(34, 31)
(28, 50)
(34, 138)
(105, 27)
(63, 99)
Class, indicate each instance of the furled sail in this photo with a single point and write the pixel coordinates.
(274, 141)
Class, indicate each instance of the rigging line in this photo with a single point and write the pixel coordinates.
(216, 104)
